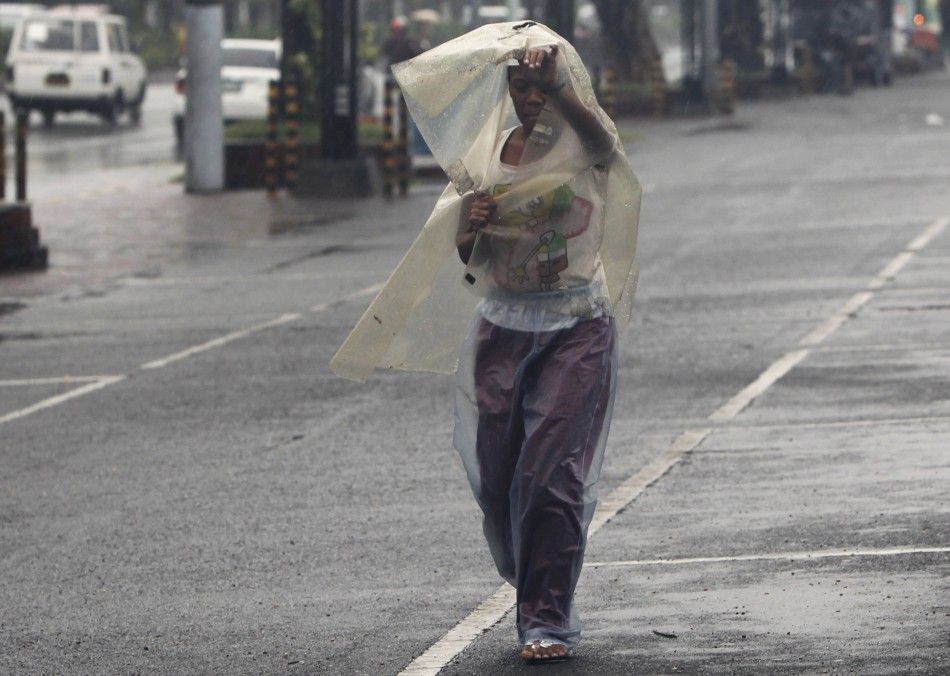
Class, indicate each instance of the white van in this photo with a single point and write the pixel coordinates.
(65, 60)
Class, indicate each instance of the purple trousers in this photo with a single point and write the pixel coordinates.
(542, 405)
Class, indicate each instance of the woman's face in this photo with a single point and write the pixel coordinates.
(524, 87)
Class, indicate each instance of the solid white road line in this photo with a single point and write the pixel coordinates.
(928, 235)
(777, 556)
(222, 340)
(833, 323)
(768, 377)
(99, 382)
(62, 380)
(832, 424)
(480, 620)
(322, 307)
(626, 492)
(60, 398)
(463, 634)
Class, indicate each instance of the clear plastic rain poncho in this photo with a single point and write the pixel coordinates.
(530, 323)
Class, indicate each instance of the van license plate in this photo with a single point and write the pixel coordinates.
(57, 79)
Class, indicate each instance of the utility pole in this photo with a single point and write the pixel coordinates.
(340, 37)
(204, 124)
(559, 16)
(710, 53)
(340, 171)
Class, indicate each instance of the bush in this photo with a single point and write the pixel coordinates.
(159, 49)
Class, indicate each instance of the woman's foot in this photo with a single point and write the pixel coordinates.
(545, 650)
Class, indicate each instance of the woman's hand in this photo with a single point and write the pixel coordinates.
(544, 59)
(482, 210)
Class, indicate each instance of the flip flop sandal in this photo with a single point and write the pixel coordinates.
(546, 643)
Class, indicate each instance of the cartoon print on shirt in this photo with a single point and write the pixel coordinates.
(538, 210)
(551, 254)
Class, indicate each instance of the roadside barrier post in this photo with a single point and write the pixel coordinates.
(292, 129)
(808, 70)
(405, 161)
(658, 85)
(270, 142)
(389, 143)
(20, 246)
(3, 156)
(21, 125)
(727, 80)
(609, 93)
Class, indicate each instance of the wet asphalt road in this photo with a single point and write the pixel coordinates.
(79, 144)
(238, 509)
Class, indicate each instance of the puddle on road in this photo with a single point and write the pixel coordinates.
(10, 308)
(318, 253)
(291, 225)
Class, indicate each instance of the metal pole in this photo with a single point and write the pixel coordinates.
(22, 119)
(204, 125)
(559, 16)
(339, 81)
(710, 49)
(3, 156)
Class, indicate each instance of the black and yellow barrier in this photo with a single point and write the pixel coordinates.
(292, 133)
(658, 89)
(271, 141)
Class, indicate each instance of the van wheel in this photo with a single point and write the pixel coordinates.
(49, 118)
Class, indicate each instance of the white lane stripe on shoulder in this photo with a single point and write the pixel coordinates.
(221, 340)
(61, 398)
(772, 556)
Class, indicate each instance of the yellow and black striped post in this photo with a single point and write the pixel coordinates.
(271, 161)
(609, 92)
(292, 132)
(727, 84)
(389, 143)
(404, 163)
(808, 71)
(658, 88)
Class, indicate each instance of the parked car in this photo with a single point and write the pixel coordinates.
(75, 59)
(247, 68)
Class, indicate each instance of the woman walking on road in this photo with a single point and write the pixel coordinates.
(542, 210)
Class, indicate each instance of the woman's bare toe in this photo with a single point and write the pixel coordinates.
(537, 651)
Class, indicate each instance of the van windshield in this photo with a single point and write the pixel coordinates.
(48, 35)
(249, 58)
